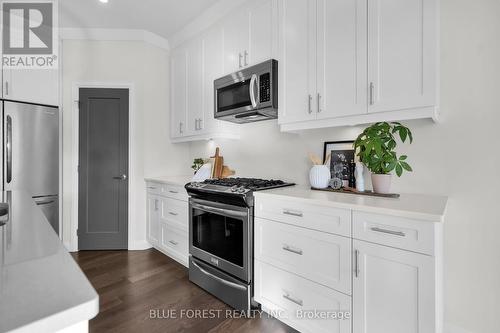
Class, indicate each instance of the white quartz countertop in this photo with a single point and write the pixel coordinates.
(42, 289)
(173, 180)
(416, 206)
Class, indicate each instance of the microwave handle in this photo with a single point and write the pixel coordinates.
(252, 90)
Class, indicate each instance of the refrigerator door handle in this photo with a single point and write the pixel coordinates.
(9, 149)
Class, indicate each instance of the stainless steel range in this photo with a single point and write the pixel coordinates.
(221, 236)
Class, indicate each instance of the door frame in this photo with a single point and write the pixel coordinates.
(73, 241)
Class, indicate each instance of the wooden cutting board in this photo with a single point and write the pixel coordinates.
(218, 164)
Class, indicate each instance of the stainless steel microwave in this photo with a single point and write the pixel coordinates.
(248, 95)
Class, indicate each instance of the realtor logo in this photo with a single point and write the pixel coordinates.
(29, 34)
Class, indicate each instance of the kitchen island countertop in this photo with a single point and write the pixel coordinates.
(42, 289)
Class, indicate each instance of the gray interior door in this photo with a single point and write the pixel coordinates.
(103, 169)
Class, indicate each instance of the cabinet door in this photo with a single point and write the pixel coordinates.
(401, 54)
(194, 69)
(393, 290)
(153, 228)
(297, 71)
(235, 40)
(341, 58)
(178, 92)
(262, 30)
(31, 85)
(213, 68)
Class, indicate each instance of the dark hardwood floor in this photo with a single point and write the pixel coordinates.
(132, 283)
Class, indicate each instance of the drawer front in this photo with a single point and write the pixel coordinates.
(321, 257)
(153, 188)
(317, 217)
(398, 232)
(174, 241)
(288, 294)
(174, 191)
(174, 213)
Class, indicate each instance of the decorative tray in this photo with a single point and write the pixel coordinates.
(349, 190)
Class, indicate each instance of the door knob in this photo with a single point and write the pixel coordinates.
(122, 177)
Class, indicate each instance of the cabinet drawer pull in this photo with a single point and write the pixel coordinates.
(239, 60)
(292, 213)
(173, 242)
(245, 56)
(152, 187)
(292, 299)
(356, 263)
(291, 249)
(319, 102)
(309, 100)
(173, 214)
(156, 204)
(174, 192)
(390, 232)
(371, 93)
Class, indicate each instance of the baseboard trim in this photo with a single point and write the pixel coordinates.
(139, 245)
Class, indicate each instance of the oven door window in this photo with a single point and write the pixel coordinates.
(219, 235)
(234, 96)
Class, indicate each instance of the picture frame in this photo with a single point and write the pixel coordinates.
(342, 152)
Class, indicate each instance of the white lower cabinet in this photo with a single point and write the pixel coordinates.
(393, 290)
(167, 220)
(385, 271)
(296, 250)
(175, 243)
(153, 219)
(300, 303)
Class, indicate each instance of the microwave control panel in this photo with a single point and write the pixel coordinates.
(265, 87)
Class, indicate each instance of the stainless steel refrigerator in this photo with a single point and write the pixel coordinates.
(30, 149)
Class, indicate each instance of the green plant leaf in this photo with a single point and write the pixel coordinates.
(399, 170)
(406, 166)
(403, 133)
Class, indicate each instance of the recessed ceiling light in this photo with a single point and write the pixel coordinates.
(104, 1)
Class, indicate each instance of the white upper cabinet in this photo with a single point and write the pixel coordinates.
(39, 86)
(244, 37)
(235, 41)
(213, 68)
(297, 64)
(393, 290)
(178, 93)
(341, 58)
(249, 34)
(194, 70)
(402, 54)
(322, 59)
(262, 32)
(348, 62)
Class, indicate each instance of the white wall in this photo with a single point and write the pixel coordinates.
(146, 68)
(458, 158)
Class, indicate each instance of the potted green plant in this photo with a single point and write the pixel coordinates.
(375, 148)
(197, 164)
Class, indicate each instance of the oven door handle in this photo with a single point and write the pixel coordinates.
(222, 211)
(252, 90)
(221, 280)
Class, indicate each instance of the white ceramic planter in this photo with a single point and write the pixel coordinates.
(319, 176)
(381, 183)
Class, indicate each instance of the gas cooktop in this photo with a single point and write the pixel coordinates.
(232, 187)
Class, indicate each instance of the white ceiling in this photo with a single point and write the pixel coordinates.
(162, 17)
